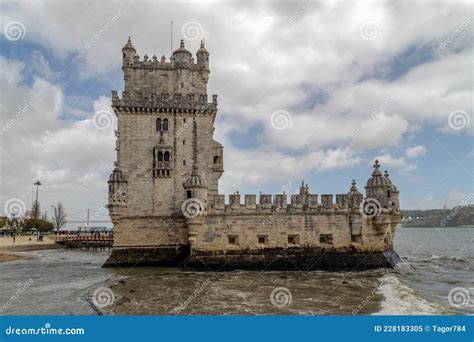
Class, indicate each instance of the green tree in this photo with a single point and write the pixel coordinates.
(40, 224)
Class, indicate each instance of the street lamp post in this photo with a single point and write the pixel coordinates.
(37, 183)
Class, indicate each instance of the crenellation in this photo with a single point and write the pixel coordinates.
(234, 201)
(251, 201)
(327, 201)
(281, 200)
(312, 201)
(265, 201)
(342, 201)
(296, 201)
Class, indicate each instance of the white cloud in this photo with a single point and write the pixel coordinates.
(71, 158)
(264, 56)
(415, 151)
(400, 164)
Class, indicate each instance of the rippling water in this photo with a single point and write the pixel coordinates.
(434, 262)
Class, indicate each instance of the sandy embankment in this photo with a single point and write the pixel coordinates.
(23, 243)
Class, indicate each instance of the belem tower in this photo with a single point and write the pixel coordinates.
(165, 203)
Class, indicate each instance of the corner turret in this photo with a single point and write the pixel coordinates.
(196, 187)
(203, 61)
(128, 53)
(378, 187)
(182, 57)
(393, 193)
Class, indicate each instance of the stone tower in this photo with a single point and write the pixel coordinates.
(164, 132)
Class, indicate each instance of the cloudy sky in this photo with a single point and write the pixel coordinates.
(313, 90)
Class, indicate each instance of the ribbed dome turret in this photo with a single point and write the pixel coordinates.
(129, 45)
(116, 175)
(195, 180)
(377, 180)
(387, 177)
(202, 50)
(182, 55)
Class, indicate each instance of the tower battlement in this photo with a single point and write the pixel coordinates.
(268, 203)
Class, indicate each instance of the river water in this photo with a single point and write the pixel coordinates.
(64, 282)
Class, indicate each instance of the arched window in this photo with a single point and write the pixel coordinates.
(158, 125)
(167, 156)
(165, 125)
(160, 156)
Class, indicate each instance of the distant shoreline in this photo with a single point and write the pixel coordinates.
(426, 227)
(23, 244)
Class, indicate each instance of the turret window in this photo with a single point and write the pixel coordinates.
(161, 162)
(161, 125)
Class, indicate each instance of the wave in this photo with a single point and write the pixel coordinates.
(440, 257)
(400, 299)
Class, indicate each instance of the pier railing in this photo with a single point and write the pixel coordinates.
(94, 242)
